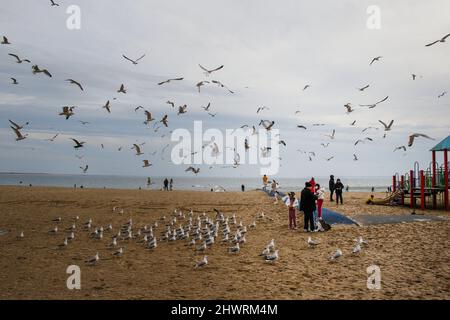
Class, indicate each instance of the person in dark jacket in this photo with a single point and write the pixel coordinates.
(308, 206)
(331, 186)
(339, 187)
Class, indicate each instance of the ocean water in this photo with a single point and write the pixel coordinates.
(356, 184)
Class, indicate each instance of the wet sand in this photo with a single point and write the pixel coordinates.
(414, 258)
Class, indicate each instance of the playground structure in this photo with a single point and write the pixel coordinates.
(430, 186)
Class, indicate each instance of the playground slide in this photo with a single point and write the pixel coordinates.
(388, 200)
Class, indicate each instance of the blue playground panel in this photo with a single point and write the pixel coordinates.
(330, 217)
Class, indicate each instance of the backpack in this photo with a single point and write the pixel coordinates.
(324, 225)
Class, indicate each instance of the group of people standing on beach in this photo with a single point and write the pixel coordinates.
(168, 185)
(311, 202)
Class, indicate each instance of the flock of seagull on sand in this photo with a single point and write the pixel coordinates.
(69, 111)
(197, 232)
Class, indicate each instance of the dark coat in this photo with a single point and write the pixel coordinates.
(331, 185)
(307, 201)
(339, 187)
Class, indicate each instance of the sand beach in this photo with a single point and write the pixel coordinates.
(414, 258)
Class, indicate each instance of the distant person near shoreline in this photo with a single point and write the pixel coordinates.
(265, 180)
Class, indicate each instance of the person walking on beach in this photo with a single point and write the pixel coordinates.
(166, 184)
(339, 187)
(331, 186)
(308, 206)
(292, 203)
(265, 182)
(171, 184)
(320, 193)
(243, 188)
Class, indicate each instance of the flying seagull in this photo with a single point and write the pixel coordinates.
(138, 149)
(207, 107)
(301, 127)
(171, 103)
(18, 127)
(85, 169)
(353, 123)
(355, 158)
(5, 40)
(107, 106)
(306, 87)
(135, 62)
(267, 124)
(146, 164)
(387, 127)
(75, 83)
(77, 143)
(442, 94)
(375, 59)
(208, 72)
(401, 147)
(201, 83)
(182, 109)
(67, 112)
(18, 59)
(149, 117)
(35, 69)
(122, 89)
(363, 88)
(84, 122)
(261, 109)
(53, 138)
(332, 135)
(14, 81)
(221, 85)
(349, 108)
(196, 171)
(330, 158)
(164, 120)
(440, 40)
(375, 104)
(168, 80)
(416, 135)
(52, 3)
(19, 134)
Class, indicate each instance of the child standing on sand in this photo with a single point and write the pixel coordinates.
(292, 203)
(320, 193)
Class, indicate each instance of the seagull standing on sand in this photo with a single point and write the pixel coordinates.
(336, 255)
(93, 260)
(312, 243)
(234, 249)
(201, 263)
(356, 249)
(272, 257)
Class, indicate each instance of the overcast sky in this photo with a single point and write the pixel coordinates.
(270, 50)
